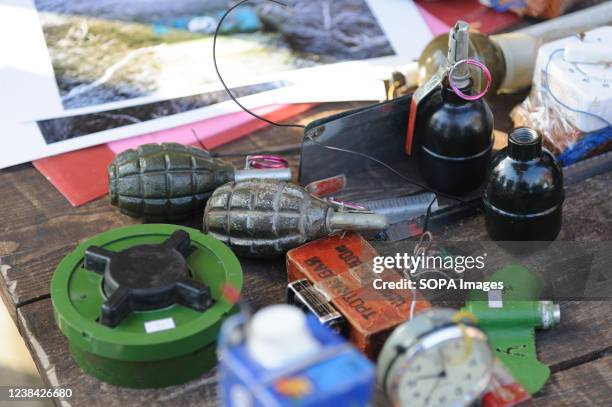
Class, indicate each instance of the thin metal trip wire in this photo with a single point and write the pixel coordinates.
(227, 90)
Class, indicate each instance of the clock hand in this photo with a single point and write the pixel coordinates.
(442, 361)
(433, 389)
(441, 376)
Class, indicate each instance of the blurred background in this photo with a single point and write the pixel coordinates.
(16, 365)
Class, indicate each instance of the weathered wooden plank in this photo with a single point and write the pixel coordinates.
(31, 248)
(50, 351)
(27, 198)
(40, 227)
(585, 332)
(586, 326)
(589, 384)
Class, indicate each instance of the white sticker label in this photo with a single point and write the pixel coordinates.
(495, 299)
(240, 396)
(159, 325)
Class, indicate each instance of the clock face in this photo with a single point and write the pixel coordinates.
(453, 372)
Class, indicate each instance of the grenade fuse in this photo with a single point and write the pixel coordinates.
(265, 218)
(171, 181)
(455, 132)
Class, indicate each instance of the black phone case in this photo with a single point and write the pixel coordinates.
(378, 130)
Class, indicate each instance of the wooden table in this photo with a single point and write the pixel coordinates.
(38, 228)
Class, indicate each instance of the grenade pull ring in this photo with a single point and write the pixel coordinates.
(458, 62)
(262, 161)
(346, 205)
(458, 91)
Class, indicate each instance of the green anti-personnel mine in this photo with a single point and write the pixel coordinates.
(169, 181)
(141, 306)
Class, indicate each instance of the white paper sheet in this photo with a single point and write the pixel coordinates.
(29, 92)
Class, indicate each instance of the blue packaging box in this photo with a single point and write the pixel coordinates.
(338, 376)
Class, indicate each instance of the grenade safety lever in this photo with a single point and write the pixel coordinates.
(458, 46)
(458, 51)
(355, 221)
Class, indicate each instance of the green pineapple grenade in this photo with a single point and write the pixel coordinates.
(170, 181)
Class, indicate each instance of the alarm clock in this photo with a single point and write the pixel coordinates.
(438, 358)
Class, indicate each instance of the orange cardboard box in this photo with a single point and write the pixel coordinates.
(341, 267)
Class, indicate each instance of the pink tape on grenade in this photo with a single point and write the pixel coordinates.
(478, 64)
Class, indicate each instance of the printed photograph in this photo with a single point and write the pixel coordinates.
(112, 50)
(63, 128)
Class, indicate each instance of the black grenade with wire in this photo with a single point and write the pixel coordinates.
(454, 128)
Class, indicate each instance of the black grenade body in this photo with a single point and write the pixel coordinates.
(455, 138)
(524, 194)
(167, 181)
